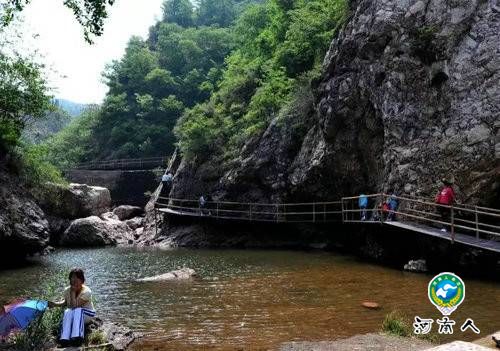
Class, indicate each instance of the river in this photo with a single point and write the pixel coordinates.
(247, 299)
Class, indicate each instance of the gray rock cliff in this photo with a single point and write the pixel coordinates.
(410, 93)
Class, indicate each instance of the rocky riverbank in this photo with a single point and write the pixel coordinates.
(74, 215)
(24, 230)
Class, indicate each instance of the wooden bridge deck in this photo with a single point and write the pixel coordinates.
(465, 239)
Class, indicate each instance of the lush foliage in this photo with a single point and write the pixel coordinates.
(218, 72)
(177, 67)
(35, 168)
(74, 143)
(23, 97)
(89, 13)
(277, 43)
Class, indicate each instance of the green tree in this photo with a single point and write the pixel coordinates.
(277, 42)
(89, 13)
(218, 12)
(178, 11)
(23, 96)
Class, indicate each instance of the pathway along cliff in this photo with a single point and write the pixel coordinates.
(408, 95)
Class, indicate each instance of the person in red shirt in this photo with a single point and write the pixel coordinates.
(446, 196)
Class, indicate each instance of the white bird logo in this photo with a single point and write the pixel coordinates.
(442, 292)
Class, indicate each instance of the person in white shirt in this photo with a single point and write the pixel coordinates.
(79, 308)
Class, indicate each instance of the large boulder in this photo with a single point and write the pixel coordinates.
(74, 201)
(125, 212)
(23, 226)
(94, 231)
(180, 274)
(135, 222)
(120, 337)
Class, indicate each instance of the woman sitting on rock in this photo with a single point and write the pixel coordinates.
(79, 308)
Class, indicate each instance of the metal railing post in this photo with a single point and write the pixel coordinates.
(217, 211)
(381, 213)
(250, 205)
(342, 205)
(284, 212)
(324, 212)
(314, 212)
(156, 222)
(452, 225)
(277, 213)
(477, 222)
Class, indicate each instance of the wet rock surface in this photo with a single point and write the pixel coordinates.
(120, 337)
(94, 231)
(416, 266)
(74, 201)
(374, 342)
(24, 228)
(125, 212)
(179, 274)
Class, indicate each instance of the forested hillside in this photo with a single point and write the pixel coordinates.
(150, 87)
(219, 71)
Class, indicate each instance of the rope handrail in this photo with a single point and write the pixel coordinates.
(478, 220)
(123, 162)
(255, 203)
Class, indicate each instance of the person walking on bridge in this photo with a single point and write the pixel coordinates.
(166, 181)
(363, 204)
(202, 202)
(444, 199)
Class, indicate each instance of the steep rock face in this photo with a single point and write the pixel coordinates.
(23, 227)
(94, 231)
(74, 201)
(410, 93)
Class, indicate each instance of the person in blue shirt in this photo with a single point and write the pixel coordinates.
(393, 206)
(363, 205)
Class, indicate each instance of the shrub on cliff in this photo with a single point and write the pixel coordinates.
(277, 42)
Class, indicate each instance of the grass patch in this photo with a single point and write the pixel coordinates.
(96, 337)
(398, 324)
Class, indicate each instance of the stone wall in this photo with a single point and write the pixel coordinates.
(126, 187)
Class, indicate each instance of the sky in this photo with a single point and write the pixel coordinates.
(75, 67)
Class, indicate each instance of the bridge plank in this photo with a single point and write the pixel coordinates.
(469, 240)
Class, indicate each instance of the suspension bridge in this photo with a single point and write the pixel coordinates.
(473, 226)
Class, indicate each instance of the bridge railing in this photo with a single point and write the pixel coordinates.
(126, 163)
(261, 212)
(481, 222)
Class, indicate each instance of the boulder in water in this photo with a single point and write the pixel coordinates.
(120, 337)
(416, 266)
(73, 201)
(371, 305)
(125, 212)
(180, 274)
(93, 231)
(135, 222)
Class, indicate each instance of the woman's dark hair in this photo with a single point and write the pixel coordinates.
(77, 272)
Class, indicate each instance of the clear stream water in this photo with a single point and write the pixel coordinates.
(247, 299)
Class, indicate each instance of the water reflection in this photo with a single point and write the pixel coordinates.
(247, 299)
